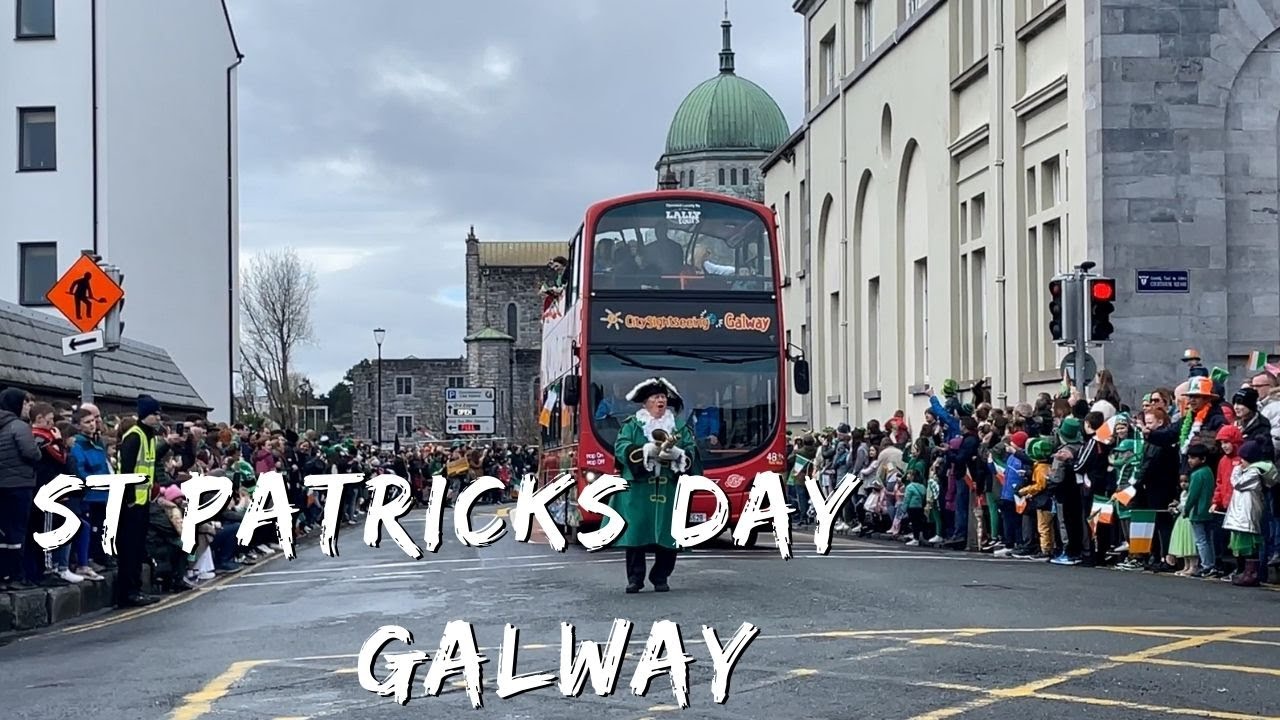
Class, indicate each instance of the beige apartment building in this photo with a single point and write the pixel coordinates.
(957, 154)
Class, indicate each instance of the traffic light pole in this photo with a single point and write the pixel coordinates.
(1082, 324)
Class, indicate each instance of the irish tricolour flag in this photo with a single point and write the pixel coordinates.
(1125, 496)
(1142, 529)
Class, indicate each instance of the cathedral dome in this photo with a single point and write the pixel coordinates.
(727, 112)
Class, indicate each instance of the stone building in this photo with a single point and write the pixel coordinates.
(503, 346)
(722, 131)
(924, 219)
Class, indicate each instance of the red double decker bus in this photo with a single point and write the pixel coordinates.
(677, 284)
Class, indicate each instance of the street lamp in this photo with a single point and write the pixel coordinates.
(378, 335)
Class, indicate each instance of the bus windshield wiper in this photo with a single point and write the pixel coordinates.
(734, 360)
(632, 362)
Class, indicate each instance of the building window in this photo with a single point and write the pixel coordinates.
(834, 346)
(404, 425)
(866, 29)
(513, 321)
(733, 176)
(973, 32)
(911, 7)
(873, 333)
(786, 235)
(693, 178)
(804, 228)
(721, 176)
(746, 176)
(369, 390)
(922, 319)
(971, 251)
(827, 63)
(404, 385)
(37, 272)
(37, 139)
(456, 381)
(1045, 255)
(35, 19)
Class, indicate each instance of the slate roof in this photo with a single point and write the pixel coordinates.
(31, 357)
(521, 254)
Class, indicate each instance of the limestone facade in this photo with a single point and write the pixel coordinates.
(957, 154)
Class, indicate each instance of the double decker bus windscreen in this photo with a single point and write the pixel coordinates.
(730, 398)
(682, 245)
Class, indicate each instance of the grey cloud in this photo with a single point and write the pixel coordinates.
(389, 124)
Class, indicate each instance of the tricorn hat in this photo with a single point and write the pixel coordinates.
(654, 386)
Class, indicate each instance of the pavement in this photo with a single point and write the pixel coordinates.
(873, 630)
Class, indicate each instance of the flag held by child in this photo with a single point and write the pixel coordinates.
(1142, 530)
(1125, 496)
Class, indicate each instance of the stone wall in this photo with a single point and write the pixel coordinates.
(489, 366)
(706, 169)
(429, 379)
(1181, 132)
(498, 287)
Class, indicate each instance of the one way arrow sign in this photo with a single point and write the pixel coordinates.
(82, 343)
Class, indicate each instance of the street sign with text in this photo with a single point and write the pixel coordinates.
(85, 294)
(469, 426)
(83, 343)
(468, 394)
(1162, 281)
(469, 409)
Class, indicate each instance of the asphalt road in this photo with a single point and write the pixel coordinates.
(873, 630)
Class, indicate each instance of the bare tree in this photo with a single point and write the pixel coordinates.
(277, 290)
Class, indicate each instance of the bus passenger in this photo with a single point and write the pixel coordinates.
(651, 468)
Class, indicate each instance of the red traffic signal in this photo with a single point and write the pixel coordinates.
(1103, 290)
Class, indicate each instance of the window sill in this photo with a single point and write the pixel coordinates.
(918, 390)
(41, 304)
(27, 38)
(1041, 377)
(871, 395)
(1042, 21)
(970, 75)
(833, 399)
(37, 170)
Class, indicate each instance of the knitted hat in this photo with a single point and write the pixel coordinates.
(147, 406)
(1040, 449)
(950, 387)
(1251, 452)
(1019, 440)
(1247, 397)
(1070, 431)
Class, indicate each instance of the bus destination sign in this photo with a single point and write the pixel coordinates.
(646, 322)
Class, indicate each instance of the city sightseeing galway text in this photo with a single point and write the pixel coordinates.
(766, 505)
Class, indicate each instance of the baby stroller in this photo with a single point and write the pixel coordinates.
(877, 512)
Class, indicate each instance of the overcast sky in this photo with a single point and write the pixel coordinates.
(373, 133)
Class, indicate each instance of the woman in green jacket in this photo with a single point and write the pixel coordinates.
(651, 467)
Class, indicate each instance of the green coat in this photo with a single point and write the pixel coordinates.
(1199, 495)
(648, 501)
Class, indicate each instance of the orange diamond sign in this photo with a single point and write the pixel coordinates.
(85, 294)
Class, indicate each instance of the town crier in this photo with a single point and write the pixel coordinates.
(654, 448)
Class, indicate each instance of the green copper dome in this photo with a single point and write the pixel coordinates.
(727, 112)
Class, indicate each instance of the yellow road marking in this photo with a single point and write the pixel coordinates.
(664, 708)
(802, 672)
(502, 512)
(1246, 669)
(1033, 688)
(201, 701)
(1193, 712)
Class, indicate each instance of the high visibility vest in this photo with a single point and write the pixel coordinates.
(144, 466)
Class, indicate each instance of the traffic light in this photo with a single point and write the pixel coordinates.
(1055, 310)
(1064, 309)
(112, 325)
(1102, 302)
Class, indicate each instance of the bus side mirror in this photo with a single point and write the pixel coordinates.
(801, 377)
(570, 387)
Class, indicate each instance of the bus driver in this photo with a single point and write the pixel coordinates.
(654, 447)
